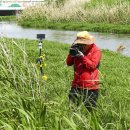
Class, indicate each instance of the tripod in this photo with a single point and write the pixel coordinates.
(41, 58)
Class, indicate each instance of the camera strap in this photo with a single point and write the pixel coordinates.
(98, 66)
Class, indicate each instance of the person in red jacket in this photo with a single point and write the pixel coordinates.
(85, 56)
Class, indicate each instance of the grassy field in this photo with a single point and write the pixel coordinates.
(8, 18)
(29, 103)
(94, 15)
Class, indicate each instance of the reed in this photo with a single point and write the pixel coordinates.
(81, 11)
(101, 16)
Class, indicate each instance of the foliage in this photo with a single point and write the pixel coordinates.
(112, 14)
(30, 103)
(95, 27)
(7, 18)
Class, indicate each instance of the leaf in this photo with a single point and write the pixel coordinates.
(71, 123)
(6, 126)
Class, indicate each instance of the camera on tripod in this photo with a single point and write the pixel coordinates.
(74, 50)
(40, 37)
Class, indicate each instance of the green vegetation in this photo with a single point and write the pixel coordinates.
(94, 15)
(106, 2)
(95, 27)
(29, 103)
(7, 18)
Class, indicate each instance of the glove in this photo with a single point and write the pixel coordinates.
(80, 54)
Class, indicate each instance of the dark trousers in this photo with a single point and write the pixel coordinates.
(88, 97)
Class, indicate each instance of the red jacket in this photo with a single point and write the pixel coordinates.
(86, 71)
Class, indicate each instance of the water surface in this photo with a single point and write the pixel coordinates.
(103, 40)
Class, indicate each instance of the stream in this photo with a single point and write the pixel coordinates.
(103, 40)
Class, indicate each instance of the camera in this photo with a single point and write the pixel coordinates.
(74, 50)
(40, 36)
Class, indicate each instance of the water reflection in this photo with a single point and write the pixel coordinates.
(103, 40)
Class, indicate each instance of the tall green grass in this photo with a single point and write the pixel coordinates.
(29, 103)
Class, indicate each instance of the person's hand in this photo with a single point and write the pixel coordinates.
(80, 54)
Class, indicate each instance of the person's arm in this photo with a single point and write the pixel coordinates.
(93, 62)
(69, 60)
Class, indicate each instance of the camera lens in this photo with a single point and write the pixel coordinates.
(73, 51)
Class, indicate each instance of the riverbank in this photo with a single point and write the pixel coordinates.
(78, 26)
(99, 16)
(75, 26)
(27, 102)
(8, 18)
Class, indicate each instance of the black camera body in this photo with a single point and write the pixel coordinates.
(40, 36)
(74, 50)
